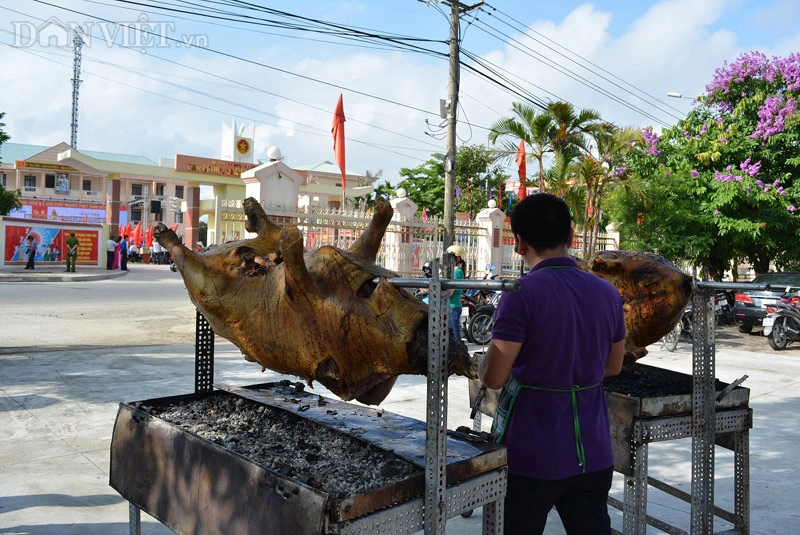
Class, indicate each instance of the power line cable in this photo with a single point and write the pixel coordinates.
(258, 63)
(523, 29)
(311, 130)
(566, 72)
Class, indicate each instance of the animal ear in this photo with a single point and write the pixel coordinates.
(367, 245)
(257, 220)
(298, 280)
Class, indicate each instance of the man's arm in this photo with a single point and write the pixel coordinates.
(495, 367)
(614, 363)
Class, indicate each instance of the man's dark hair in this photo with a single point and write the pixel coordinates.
(542, 221)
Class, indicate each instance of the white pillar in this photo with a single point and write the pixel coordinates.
(401, 243)
(613, 235)
(490, 248)
(217, 237)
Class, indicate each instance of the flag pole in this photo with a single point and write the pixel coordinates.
(337, 130)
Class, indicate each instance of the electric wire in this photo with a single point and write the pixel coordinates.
(480, 67)
(514, 43)
(523, 30)
(310, 130)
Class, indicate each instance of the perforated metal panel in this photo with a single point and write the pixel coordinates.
(487, 490)
(203, 355)
(436, 445)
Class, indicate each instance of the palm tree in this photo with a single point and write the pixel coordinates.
(572, 127)
(603, 166)
(553, 129)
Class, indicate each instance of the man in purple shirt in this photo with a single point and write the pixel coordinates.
(552, 344)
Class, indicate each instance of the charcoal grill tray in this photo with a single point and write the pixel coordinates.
(670, 405)
(634, 406)
(193, 485)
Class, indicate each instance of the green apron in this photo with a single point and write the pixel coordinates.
(508, 398)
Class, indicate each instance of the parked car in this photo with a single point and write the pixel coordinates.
(749, 306)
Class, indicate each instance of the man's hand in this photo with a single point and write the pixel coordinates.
(494, 368)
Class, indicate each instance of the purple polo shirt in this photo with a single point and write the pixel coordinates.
(566, 320)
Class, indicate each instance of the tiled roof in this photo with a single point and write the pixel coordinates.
(11, 152)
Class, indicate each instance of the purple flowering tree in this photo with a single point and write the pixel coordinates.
(719, 187)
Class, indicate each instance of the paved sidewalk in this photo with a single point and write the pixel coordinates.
(55, 274)
(58, 407)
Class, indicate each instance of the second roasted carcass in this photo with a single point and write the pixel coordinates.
(654, 294)
(319, 316)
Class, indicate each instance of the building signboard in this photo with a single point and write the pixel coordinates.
(210, 166)
(22, 164)
(76, 212)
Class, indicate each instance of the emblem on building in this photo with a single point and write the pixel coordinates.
(242, 146)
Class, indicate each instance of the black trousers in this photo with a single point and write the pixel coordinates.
(123, 260)
(30, 264)
(579, 500)
(110, 259)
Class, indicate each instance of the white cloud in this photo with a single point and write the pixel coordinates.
(673, 46)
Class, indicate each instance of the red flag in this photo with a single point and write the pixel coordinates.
(174, 228)
(149, 237)
(137, 233)
(523, 169)
(126, 231)
(338, 139)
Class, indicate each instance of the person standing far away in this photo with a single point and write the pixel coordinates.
(158, 252)
(133, 251)
(549, 353)
(31, 250)
(455, 296)
(123, 254)
(116, 252)
(111, 248)
(72, 251)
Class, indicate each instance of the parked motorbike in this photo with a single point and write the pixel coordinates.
(422, 293)
(723, 308)
(682, 330)
(782, 322)
(478, 329)
(471, 301)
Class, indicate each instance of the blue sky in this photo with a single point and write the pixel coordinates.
(161, 99)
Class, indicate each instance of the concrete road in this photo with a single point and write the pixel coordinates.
(71, 351)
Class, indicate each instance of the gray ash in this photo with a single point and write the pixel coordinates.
(335, 463)
(643, 383)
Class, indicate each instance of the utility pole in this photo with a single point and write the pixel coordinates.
(77, 43)
(456, 9)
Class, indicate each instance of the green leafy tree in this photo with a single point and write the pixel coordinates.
(424, 185)
(367, 201)
(477, 176)
(9, 199)
(719, 187)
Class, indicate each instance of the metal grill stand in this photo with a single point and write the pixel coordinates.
(439, 503)
(706, 426)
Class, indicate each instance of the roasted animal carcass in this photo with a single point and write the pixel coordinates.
(320, 316)
(654, 294)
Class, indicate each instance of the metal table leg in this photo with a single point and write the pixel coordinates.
(134, 520)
